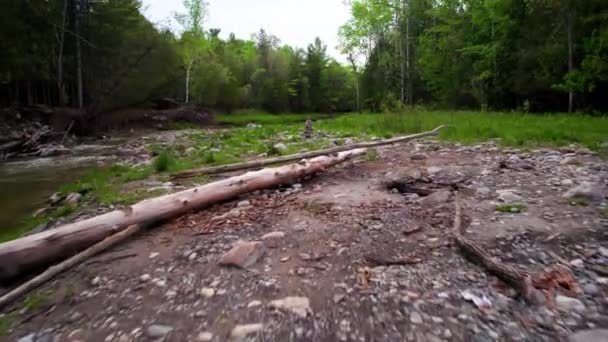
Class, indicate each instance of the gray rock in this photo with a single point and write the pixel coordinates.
(73, 198)
(415, 318)
(508, 196)
(297, 305)
(591, 289)
(241, 331)
(483, 192)
(438, 197)
(158, 331)
(277, 235)
(56, 198)
(433, 170)
(244, 203)
(569, 304)
(570, 161)
(418, 157)
(244, 254)
(280, 147)
(586, 190)
(207, 292)
(37, 337)
(204, 337)
(592, 335)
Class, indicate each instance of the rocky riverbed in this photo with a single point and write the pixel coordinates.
(297, 263)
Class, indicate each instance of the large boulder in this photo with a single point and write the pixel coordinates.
(593, 192)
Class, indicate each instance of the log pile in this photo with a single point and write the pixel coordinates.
(28, 141)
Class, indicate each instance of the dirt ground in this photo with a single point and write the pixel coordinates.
(317, 278)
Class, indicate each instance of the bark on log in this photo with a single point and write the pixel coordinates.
(24, 254)
(310, 154)
(54, 271)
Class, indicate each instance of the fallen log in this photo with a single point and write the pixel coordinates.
(311, 154)
(54, 271)
(24, 254)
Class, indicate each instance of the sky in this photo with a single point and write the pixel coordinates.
(294, 22)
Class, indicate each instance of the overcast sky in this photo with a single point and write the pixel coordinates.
(294, 22)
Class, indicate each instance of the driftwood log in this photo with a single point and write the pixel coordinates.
(54, 271)
(311, 154)
(519, 280)
(27, 253)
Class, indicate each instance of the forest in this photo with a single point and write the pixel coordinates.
(98, 56)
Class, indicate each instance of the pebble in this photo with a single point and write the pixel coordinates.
(244, 254)
(154, 255)
(207, 292)
(254, 304)
(204, 337)
(158, 331)
(593, 335)
(568, 304)
(297, 305)
(243, 204)
(433, 170)
(591, 289)
(578, 263)
(586, 190)
(145, 277)
(242, 331)
(415, 318)
(338, 297)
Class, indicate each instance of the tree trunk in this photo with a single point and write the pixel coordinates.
(410, 97)
(56, 270)
(60, 88)
(27, 253)
(310, 154)
(79, 90)
(570, 59)
(188, 69)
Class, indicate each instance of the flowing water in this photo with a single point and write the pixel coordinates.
(27, 184)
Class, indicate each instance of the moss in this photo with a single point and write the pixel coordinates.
(579, 201)
(511, 208)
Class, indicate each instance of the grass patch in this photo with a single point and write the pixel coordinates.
(604, 212)
(31, 303)
(579, 201)
(6, 321)
(163, 161)
(35, 301)
(511, 208)
(372, 155)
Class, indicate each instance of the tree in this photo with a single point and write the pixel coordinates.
(192, 40)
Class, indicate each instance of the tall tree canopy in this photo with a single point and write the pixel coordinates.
(500, 54)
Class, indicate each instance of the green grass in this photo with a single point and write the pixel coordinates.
(6, 321)
(509, 129)
(31, 303)
(511, 208)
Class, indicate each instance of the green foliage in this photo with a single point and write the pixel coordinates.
(511, 208)
(480, 54)
(163, 161)
(372, 155)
